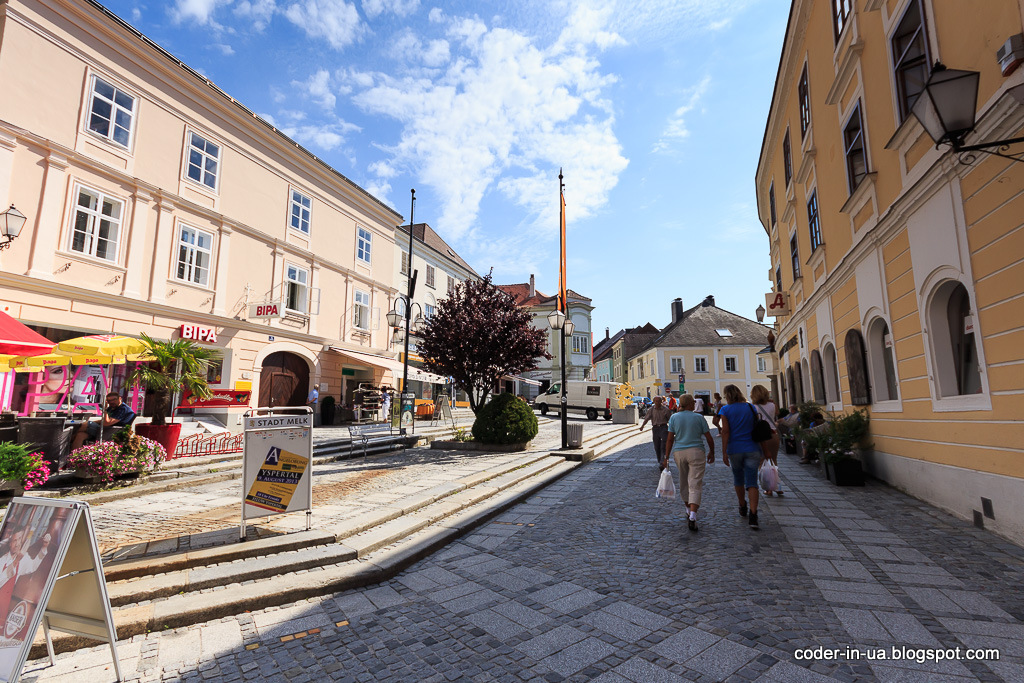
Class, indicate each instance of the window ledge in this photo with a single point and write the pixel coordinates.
(290, 314)
(211, 192)
(908, 131)
(954, 404)
(860, 194)
(891, 406)
(91, 260)
(846, 67)
(111, 146)
(807, 144)
(191, 285)
(806, 164)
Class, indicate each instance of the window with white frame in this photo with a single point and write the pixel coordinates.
(296, 288)
(640, 366)
(203, 161)
(730, 364)
(675, 365)
(430, 276)
(364, 241)
(428, 311)
(301, 209)
(762, 365)
(405, 263)
(451, 285)
(581, 343)
(361, 310)
(111, 112)
(195, 248)
(97, 224)
(700, 363)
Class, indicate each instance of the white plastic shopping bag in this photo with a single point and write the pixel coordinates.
(768, 477)
(666, 487)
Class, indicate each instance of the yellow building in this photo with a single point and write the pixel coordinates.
(157, 203)
(702, 350)
(901, 260)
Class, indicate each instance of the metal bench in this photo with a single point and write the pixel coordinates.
(375, 435)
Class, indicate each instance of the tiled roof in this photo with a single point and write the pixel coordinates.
(521, 293)
(422, 232)
(698, 327)
(604, 347)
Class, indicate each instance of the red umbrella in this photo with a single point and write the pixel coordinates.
(18, 340)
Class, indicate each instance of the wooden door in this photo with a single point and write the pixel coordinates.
(284, 380)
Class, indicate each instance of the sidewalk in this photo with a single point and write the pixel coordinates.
(593, 577)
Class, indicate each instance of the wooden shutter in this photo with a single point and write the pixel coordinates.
(817, 377)
(856, 369)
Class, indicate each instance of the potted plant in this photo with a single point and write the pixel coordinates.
(21, 468)
(838, 446)
(161, 375)
(327, 410)
(126, 453)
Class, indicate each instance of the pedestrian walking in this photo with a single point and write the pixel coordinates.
(658, 416)
(698, 405)
(740, 451)
(763, 404)
(672, 405)
(715, 407)
(685, 430)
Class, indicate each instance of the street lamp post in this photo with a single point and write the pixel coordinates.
(11, 222)
(408, 398)
(565, 327)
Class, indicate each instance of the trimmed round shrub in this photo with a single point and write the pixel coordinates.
(505, 419)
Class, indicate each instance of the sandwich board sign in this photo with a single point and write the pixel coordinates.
(50, 575)
(277, 474)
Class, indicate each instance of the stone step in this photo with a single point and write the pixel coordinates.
(272, 580)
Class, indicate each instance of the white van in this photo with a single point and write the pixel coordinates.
(592, 398)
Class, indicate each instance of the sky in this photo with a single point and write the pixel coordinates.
(654, 110)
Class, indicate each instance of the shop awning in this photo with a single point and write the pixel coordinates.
(513, 378)
(420, 375)
(371, 359)
(17, 339)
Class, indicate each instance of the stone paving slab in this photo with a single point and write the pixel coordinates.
(661, 603)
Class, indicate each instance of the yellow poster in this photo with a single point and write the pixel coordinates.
(277, 480)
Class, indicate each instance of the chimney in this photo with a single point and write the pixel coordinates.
(533, 288)
(709, 300)
(677, 310)
(607, 332)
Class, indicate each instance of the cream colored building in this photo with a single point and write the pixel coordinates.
(703, 349)
(901, 261)
(155, 200)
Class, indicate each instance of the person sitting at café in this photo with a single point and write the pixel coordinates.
(117, 414)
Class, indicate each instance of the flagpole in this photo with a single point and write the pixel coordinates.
(563, 304)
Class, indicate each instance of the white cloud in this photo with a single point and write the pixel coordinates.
(224, 49)
(325, 137)
(199, 11)
(675, 129)
(136, 15)
(318, 88)
(653, 21)
(401, 8)
(336, 21)
(408, 48)
(259, 12)
(504, 115)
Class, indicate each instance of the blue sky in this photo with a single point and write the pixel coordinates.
(655, 111)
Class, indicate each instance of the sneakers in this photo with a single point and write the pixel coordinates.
(752, 520)
(691, 524)
(743, 510)
(780, 492)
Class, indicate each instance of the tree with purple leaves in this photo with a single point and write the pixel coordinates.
(478, 335)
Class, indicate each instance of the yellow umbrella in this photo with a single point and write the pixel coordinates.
(48, 360)
(97, 360)
(103, 344)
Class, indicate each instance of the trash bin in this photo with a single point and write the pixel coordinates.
(575, 435)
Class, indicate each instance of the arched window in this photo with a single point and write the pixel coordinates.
(791, 384)
(856, 369)
(798, 383)
(805, 376)
(817, 377)
(831, 374)
(956, 355)
(882, 361)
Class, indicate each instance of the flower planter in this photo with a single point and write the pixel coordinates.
(88, 476)
(165, 435)
(11, 489)
(846, 472)
(50, 436)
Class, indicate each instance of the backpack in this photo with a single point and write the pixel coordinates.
(762, 431)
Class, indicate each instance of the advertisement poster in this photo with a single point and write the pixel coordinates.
(29, 543)
(277, 480)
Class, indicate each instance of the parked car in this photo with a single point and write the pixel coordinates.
(591, 398)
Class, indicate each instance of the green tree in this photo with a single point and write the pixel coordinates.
(478, 335)
(160, 374)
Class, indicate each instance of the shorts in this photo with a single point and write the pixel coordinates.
(94, 429)
(744, 468)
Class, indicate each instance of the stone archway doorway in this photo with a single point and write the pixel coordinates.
(284, 380)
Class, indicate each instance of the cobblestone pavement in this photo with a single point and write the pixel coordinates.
(595, 578)
(209, 514)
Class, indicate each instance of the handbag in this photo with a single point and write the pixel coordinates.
(762, 431)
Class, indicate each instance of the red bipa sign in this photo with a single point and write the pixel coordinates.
(197, 333)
